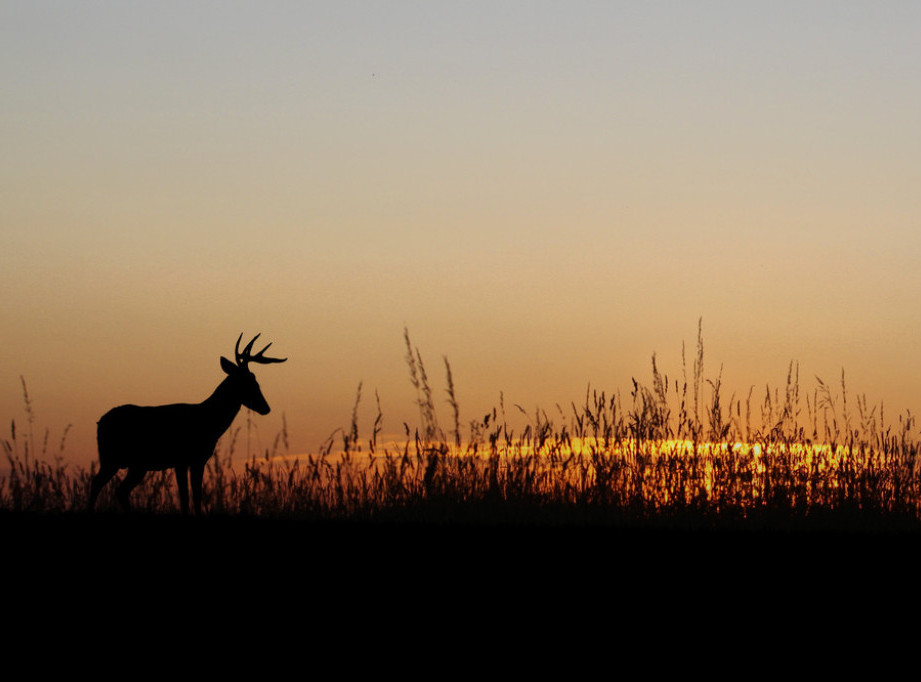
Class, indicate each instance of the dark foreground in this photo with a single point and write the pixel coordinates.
(334, 586)
(117, 548)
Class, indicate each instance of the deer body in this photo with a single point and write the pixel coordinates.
(181, 436)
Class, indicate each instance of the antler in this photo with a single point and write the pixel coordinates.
(246, 356)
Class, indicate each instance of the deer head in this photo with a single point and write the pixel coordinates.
(246, 387)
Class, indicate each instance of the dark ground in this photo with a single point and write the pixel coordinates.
(398, 596)
(116, 548)
(147, 582)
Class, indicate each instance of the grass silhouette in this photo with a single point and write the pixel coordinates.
(672, 454)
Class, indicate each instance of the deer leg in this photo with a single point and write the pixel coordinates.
(198, 471)
(182, 483)
(123, 491)
(99, 481)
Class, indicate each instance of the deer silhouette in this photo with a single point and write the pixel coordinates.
(180, 436)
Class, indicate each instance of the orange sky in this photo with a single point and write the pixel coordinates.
(545, 192)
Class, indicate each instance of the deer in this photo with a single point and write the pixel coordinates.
(180, 436)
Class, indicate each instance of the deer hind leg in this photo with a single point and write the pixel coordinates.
(182, 483)
(123, 491)
(198, 471)
(104, 475)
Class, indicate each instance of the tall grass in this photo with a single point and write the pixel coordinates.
(676, 451)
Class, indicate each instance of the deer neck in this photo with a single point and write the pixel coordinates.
(222, 405)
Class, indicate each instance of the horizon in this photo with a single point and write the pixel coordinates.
(246, 439)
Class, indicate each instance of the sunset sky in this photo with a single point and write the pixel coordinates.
(544, 192)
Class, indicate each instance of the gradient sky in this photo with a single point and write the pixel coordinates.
(544, 192)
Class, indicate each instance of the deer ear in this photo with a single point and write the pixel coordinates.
(228, 366)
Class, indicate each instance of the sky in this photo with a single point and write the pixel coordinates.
(545, 193)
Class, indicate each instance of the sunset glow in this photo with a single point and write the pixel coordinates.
(545, 193)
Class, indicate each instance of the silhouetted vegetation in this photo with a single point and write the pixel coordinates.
(672, 454)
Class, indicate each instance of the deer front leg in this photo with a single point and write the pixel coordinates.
(182, 483)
